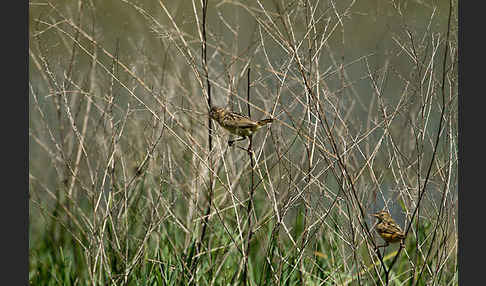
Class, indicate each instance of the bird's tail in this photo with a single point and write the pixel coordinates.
(265, 121)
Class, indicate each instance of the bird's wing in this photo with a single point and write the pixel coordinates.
(240, 122)
(393, 229)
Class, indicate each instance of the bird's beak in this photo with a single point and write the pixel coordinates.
(374, 215)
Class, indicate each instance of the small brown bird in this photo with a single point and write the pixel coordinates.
(236, 123)
(388, 229)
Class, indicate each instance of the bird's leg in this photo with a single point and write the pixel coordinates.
(383, 245)
(231, 142)
(249, 145)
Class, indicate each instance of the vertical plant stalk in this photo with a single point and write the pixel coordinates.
(210, 135)
(252, 191)
(306, 196)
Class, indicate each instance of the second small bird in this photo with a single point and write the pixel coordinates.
(388, 229)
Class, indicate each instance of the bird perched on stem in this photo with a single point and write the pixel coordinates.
(236, 123)
(388, 229)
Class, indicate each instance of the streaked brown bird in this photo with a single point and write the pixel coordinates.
(236, 123)
(388, 229)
